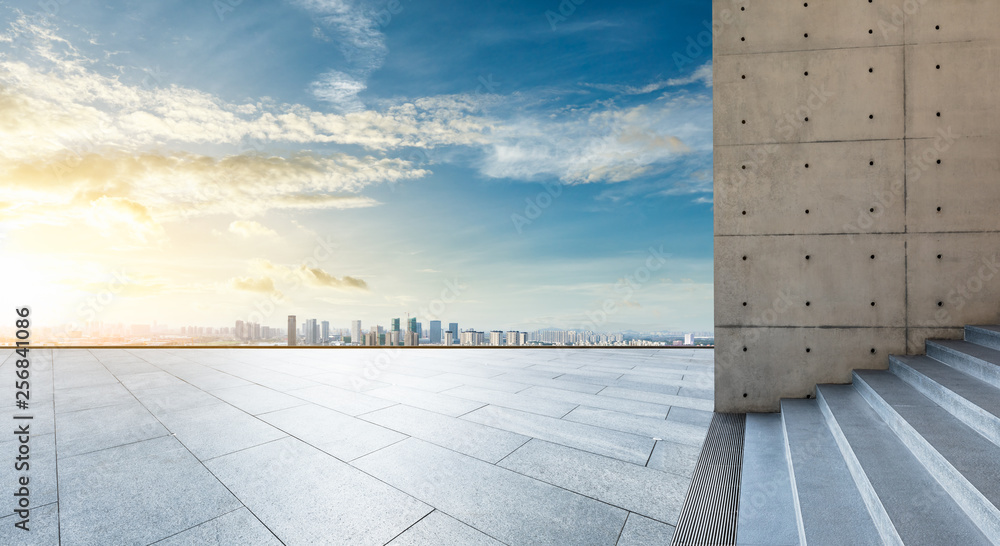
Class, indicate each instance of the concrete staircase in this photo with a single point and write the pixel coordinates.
(905, 456)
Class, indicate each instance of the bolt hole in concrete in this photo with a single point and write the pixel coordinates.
(870, 70)
(807, 165)
(871, 210)
(938, 67)
(937, 27)
(807, 73)
(807, 119)
(744, 258)
(871, 163)
(744, 395)
(870, 31)
(873, 256)
(807, 211)
(873, 350)
(744, 213)
(939, 256)
(939, 114)
(744, 122)
(808, 256)
(744, 76)
(808, 303)
(743, 38)
(939, 209)
(807, 35)
(744, 304)
(808, 350)
(939, 162)
(873, 304)
(872, 116)
(940, 303)
(744, 349)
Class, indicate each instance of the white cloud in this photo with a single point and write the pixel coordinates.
(250, 229)
(701, 74)
(339, 89)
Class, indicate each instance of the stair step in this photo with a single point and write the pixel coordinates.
(974, 402)
(918, 509)
(767, 510)
(976, 360)
(829, 509)
(987, 336)
(964, 462)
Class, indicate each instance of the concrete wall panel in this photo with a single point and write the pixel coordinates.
(961, 287)
(763, 26)
(810, 281)
(777, 365)
(931, 21)
(854, 187)
(917, 336)
(957, 80)
(964, 185)
(769, 98)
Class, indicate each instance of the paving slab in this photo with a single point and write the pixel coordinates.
(138, 493)
(680, 433)
(657, 398)
(441, 529)
(255, 399)
(640, 531)
(473, 439)
(340, 435)
(43, 527)
(438, 403)
(645, 491)
(644, 409)
(619, 445)
(215, 430)
(109, 426)
(506, 505)
(305, 496)
(523, 402)
(341, 400)
(675, 458)
(236, 527)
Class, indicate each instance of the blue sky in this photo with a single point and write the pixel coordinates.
(330, 159)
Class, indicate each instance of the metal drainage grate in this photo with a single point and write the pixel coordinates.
(712, 505)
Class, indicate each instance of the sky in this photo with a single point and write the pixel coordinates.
(500, 164)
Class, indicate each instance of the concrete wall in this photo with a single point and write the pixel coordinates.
(857, 186)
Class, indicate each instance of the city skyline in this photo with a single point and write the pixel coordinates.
(508, 163)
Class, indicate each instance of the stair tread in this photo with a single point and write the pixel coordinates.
(767, 509)
(832, 509)
(980, 393)
(991, 328)
(977, 351)
(919, 508)
(975, 457)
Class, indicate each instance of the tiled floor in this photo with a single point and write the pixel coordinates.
(344, 446)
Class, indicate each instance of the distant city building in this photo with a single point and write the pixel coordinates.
(291, 331)
(453, 328)
(449, 338)
(325, 332)
(412, 339)
(522, 338)
(395, 325)
(435, 336)
(412, 326)
(513, 338)
(393, 338)
(310, 331)
(496, 338)
(356, 331)
(472, 338)
(689, 339)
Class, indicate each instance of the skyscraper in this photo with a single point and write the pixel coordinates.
(395, 325)
(356, 332)
(453, 328)
(435, 336)
(325, 333)
(310, 332)
(412, 326)
(291, 331)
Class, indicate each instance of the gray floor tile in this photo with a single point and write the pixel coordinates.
(532, 404)
(341, 400)
(657, 398)
(440, 529)
(479, 441)
(342, 436)
(675, 458)
(211, 431)
(307, 497)
(513, 508)
(42, 524)
(97, 396)
(640, 531)
(680, 433)
(638, 489)
(160, 402)
(356, 382)
(100, 428)
(620, 445)
(256, 399)
(41, 461)
(644, 409)
(139, 493)
(690, 416)
(238, 527)
(438, 403)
